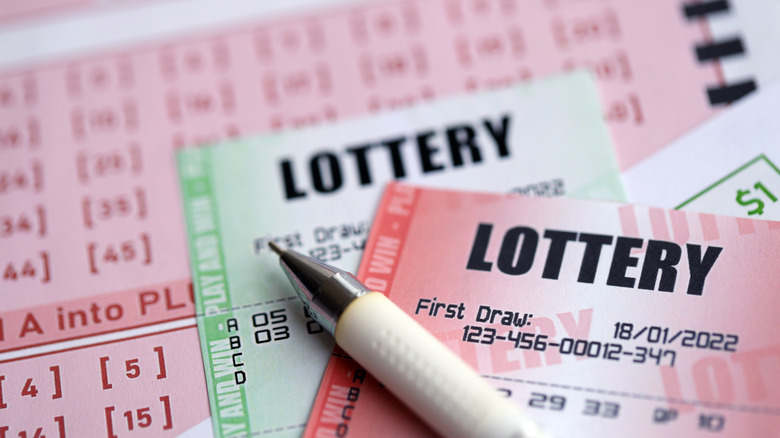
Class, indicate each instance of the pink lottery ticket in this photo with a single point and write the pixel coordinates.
(14, 11)
(91, 235)
(136, 386)
(599, 319)
(89, 203)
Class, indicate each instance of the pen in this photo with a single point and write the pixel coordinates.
(418, 369)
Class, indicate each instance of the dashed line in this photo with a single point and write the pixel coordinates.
(730, 407)
(247, 306)
(726, 406)
(269, 431)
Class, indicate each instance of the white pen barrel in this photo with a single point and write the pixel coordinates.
(442, 389)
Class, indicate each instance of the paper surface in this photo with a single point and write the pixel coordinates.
(137, 385)
(729, 165)
(586, 314)
(92, 107)
(318, 199)
(661, 66)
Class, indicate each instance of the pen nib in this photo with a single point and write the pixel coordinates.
(275, 248)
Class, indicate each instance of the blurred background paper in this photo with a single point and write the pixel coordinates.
(95, 97)
(728, 165)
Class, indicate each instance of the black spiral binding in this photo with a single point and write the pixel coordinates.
(714, 51)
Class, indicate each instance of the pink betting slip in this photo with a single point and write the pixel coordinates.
(87, 190)
(137, 386)
(12, 11)
(598, 319)
(91, 236)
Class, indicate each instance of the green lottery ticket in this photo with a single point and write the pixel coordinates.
(315, 190)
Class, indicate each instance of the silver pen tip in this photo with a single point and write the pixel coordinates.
(276, 248)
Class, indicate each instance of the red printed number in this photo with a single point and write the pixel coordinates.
(29, 389)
